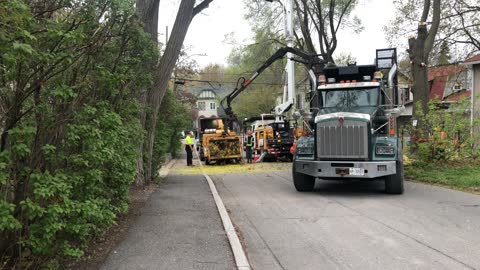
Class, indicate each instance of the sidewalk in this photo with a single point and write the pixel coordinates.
(179, 228)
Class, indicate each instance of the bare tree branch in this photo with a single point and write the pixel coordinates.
(203, 5)
(426, 10)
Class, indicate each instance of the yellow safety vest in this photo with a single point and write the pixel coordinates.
(189, 140)
(249, 141)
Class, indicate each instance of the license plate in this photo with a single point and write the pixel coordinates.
(356, 171)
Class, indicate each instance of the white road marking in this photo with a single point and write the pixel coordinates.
(237, 249)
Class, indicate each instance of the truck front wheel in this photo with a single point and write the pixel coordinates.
(303, 182)
(394, 182)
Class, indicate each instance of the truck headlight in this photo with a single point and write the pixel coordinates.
(385, 150)
(304, 151)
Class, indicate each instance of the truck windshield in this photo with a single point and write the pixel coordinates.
(354, 97)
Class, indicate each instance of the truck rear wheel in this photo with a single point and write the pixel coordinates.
(394, 182)
(302, 182)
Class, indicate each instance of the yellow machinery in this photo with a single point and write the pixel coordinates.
(273, 138)
(217, 146)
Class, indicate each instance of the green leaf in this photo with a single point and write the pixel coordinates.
(23, 47)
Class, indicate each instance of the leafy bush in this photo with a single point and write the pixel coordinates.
(444, 133)
(71, 73)
(173, 118)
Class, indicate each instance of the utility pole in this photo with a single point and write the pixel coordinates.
(290, 65)
(289, 88)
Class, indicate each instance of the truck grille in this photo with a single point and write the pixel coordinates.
(346, 141)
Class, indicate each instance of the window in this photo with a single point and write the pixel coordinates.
(201, 105)
(351, 97)
(207, 94)
(212, 106)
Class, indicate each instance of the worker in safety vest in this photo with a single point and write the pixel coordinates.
(249, 146)
(189, 148)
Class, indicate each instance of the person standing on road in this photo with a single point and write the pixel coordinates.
(249, 146)
(189, 148)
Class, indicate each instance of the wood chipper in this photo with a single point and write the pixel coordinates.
(217, 145)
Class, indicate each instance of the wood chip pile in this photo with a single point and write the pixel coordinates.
(224, 148)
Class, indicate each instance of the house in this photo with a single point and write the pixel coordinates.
(207, 103)
(447, 84)
(473, 66)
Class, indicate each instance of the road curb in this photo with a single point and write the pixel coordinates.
(238, 253)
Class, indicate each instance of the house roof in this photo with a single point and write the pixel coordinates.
(455, 97)
(473, 60)
(438, 76)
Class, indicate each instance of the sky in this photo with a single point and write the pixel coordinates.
(206, 36)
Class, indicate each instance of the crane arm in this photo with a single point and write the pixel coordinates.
(242, 83)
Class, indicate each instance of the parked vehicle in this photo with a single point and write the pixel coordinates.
(355, 130)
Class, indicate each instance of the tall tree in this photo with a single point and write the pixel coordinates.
(213, 72)
(188, 9)
(318, 22)
(327, 18)
(459, 25)
(147, 11)
(419, 49)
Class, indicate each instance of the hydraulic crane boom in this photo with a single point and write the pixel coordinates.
(242, 83)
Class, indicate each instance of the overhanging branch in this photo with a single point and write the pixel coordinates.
(203, 5)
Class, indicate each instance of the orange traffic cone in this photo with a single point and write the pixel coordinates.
(255, 157)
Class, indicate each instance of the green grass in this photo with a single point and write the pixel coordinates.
(455, 175)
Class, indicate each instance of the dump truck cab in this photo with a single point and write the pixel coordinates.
(355, 133)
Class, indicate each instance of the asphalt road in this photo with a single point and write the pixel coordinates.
(351, 225)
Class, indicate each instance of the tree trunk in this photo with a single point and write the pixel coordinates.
(419, 70)
(140, 172)
(185, 14)
(147, 11)
(162, 76)
(419, 51)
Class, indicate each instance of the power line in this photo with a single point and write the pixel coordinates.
(220, 83)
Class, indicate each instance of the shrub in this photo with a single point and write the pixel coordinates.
(444, 133)
(71, 72)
